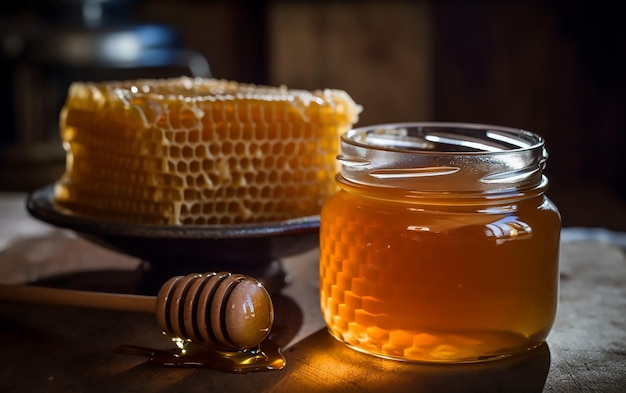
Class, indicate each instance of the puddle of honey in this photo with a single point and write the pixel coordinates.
(263, 358)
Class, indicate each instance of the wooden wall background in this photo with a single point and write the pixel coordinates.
(381, 53)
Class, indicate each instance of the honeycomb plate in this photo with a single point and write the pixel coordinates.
(181, 249)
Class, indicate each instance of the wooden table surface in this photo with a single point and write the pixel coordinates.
(65, 349)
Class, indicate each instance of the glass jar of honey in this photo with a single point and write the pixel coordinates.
(440, 244)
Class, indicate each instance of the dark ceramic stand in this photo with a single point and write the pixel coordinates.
(167, 251)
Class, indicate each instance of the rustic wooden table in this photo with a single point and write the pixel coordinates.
(64, 349)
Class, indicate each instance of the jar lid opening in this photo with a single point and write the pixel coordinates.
(443, 157)
(444, 138)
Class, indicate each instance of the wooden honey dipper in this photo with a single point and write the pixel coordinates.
(222, 310)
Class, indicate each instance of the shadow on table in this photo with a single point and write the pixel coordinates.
(321, 363)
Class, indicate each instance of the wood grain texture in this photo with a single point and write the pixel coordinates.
(378, 51)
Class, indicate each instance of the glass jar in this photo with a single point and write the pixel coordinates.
(440, 245)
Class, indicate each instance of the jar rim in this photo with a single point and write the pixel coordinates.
(443, 157)
(516, 138)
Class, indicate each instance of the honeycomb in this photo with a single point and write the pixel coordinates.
(197, 151)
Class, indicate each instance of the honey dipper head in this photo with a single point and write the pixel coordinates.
(226, 311)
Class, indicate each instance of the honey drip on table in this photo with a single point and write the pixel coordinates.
(266, 356)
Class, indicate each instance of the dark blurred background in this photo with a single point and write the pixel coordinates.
(552, 67)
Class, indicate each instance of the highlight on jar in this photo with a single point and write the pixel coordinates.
(440, 244)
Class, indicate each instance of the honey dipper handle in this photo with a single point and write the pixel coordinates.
(67, 297)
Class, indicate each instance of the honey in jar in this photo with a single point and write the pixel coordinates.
(440, 245)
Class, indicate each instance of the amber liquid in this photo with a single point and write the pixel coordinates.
(447, 283)
(266, 357)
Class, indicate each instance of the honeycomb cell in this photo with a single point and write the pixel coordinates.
(180, 138)
(241, 193)
(377, 336)
(364, 318)
(181, 167)
(273, 177)
(360, 286)
(357, 331)
(193, 137)
(227, 148)
(265, 150)
(261, 178)
(350, 267)
(345, 312)
(194, 167)
(214, 149)
(342, 324)
(351, 300)
(266, 192)
(373, 305)
(187, 151)
(241, 149)
(401, 339)
(337, 295)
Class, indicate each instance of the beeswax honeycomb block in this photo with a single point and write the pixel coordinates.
(194, 151)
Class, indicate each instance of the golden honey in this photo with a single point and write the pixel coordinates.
(194, 151)
(441, 245)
